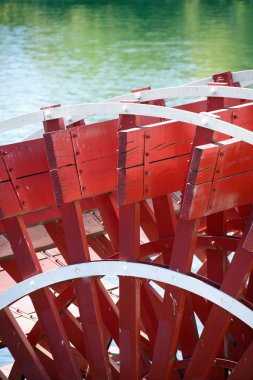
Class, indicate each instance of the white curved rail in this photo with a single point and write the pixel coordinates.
(194, 92)
(138, 270)
(162, 93)
(201, 120)
(157, 111)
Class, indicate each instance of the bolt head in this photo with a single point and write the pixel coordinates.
(137, 95)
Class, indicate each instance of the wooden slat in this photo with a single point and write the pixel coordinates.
(25, 158)
(220, 178)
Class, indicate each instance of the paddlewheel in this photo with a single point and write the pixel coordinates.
(127, 244)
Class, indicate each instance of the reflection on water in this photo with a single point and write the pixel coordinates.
(76, 51)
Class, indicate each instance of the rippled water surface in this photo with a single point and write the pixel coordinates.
(76, 51)
(82, 51)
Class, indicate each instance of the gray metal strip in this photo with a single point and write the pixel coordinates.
(137, 270)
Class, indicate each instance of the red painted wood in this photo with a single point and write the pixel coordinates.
(244, 368)
(22, 351)
(110, 218)
(219, 175)
(25, 158)
(28, 266)
(151, 303)
(86, 292)
(218, 320)
(147, 221)
(9, 202)
(174, 299)
(51, 125)
(129, 308)
(59, 148)
(4, 175)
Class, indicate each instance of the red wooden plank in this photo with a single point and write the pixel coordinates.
(130, 185)
(28, 266)
(4, 176)
(234, 157)
(98, 176)
(168, 139)
(166, 219)
(203, 164)
(110, 218)
(244, 368)
(219, 175)
(25, 158)
(218, 320)
(129, 308)
(195, 202)
(131, 148)
(231, 192)
(147, 221)
(50, 214)
(166, 176)
(35, 191)
(151, 304)
(9, 202)
(95, 140)
(90, 314)
(59, 149)
(66, 190)
(242, 116)
(20, 348)
(174, 298)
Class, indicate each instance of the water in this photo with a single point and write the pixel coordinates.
(81, 51)
(76, 51)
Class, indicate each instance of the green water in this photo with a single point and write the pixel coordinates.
(76, 51)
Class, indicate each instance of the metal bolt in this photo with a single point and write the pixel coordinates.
(147, 154)
(124, 109)
(213, 90)
(10, 169)
(17, 187)
(48, 115)
(147, 136)
(137, 95)
(204, 121)
(77, 153)
(220, 79)
(146, 172)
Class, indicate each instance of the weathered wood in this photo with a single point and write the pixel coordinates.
(220, 178)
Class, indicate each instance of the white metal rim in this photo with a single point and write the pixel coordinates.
(137, 270)
(163, 93)
(202, 120)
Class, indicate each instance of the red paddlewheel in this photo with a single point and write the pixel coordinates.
(147, 223)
